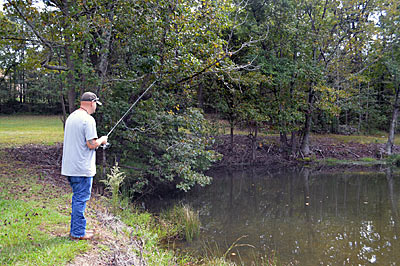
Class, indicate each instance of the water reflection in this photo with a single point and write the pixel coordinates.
(307, 217)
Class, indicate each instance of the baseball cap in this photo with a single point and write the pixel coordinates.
(90, 97)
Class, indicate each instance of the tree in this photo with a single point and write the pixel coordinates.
(390, 44)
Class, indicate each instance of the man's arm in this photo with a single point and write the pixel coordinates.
(94, 143)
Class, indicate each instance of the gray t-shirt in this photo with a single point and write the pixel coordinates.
(78, 159)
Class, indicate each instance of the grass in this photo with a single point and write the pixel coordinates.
(362, 161)
(185, 220)
(27, 129)
(34, 224)
(35, 218)
(362, 139)
(25, 240)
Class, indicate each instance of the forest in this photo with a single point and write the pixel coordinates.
(286, 67)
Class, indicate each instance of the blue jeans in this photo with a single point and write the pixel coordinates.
(81, 188)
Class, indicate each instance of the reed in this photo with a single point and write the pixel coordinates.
(215, 256)
(186, 220)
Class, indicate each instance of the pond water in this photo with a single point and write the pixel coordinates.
(302, 217)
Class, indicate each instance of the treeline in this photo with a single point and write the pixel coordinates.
(287, 66)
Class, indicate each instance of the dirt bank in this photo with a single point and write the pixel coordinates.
(270, 152)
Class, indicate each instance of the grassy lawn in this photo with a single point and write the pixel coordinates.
(18, 130)
(363, 139)
(34, 218)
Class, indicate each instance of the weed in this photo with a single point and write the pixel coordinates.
(113, 183)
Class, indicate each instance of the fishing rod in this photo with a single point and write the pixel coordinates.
(105, 146)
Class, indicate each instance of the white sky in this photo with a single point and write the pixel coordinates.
(39, 3)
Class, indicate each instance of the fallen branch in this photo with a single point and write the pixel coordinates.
(349, 151)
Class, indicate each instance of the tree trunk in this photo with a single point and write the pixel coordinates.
(283, 139)
(232, 127)
(64, 117)
(393, 122)
(70, 82)
(69, 61)
(200, 98)
(105, 49)
(305, 144)
(254, 145)
(293, 143)
(360, 109)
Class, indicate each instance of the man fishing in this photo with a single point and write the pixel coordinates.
(79, 160)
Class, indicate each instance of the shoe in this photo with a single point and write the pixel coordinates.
(87, 236)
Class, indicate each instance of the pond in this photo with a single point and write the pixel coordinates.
(301, 217)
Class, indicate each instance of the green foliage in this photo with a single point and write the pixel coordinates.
(319, 59)
(393, 159)
(167, 145)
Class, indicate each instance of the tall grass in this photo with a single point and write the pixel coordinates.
(214, 255)
(185, 219)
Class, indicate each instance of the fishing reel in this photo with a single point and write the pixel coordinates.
(105, 146)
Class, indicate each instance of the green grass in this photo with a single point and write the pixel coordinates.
(27, 129)
(362, 139)
(362, 161)
(33, 218)
(26, 236)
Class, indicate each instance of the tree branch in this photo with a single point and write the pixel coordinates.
(44, 41)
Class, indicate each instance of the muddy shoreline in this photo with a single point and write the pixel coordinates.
(269, 154)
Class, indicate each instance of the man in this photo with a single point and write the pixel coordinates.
(79, 160)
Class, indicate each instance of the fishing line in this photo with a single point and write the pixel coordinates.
(105, 146)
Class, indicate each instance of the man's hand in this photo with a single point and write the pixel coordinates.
(95, 143)
(103, 140)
